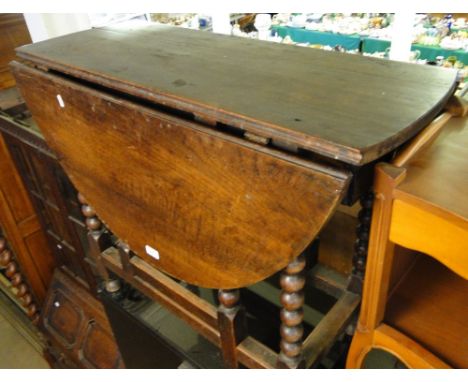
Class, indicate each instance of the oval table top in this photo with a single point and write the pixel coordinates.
(350, 108)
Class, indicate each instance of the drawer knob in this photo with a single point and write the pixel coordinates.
(57, 304)
(59, 246)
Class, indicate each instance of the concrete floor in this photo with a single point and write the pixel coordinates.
(18, 348)
(15, 351)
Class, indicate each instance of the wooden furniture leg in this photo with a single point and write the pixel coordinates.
(379, 265)
(97, 238)
(17, 280)
(232, 325)
(410, 212)
(292, 299)
(408, 351)
(361, 345)
(362, 243)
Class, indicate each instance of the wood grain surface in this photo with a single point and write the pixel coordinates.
(438, 175)
(430, 307)
(436, 234)
(77, 326)
(421, 206)
(221, 212)
(21, 225)
(346, 107)
(14, 33)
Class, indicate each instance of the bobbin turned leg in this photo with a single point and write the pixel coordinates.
(232, 325)
(292, 299)
(14, 274)
(97, 238)
(362, 243)
(99, 241)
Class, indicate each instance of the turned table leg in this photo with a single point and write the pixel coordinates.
(362, 243)
(292, 299)
(16, 278)
(232, 325)
(99, 241)
(97, 238)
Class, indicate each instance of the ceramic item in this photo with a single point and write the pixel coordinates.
(263, 25)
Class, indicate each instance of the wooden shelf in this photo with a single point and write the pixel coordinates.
(429, 306)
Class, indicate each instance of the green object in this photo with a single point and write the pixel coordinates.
(300, 35)
(455, 29)
(371, 45)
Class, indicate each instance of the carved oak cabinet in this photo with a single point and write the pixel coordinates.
(42, 229)
(76, 329)
(25, 258)
(217, 161)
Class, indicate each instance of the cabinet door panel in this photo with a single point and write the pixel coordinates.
(98, 349)
(64, 318)
(77, 325)
(21, 226)
(55, 200)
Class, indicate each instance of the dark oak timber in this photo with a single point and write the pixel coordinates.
(76, 323)
(14, 32)
(346, 107)
(218, 160)
(202, 199)
(98, 239)
(232, 325)
(292, 299)
(362, 243)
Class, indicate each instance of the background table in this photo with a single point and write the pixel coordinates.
(363, 44)
(300, 35)
(428, 52)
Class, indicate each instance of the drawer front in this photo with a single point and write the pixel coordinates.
(208, 208)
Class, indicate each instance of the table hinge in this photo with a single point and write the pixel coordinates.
(256, 138)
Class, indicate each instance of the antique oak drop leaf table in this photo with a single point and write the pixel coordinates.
(217, 160)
